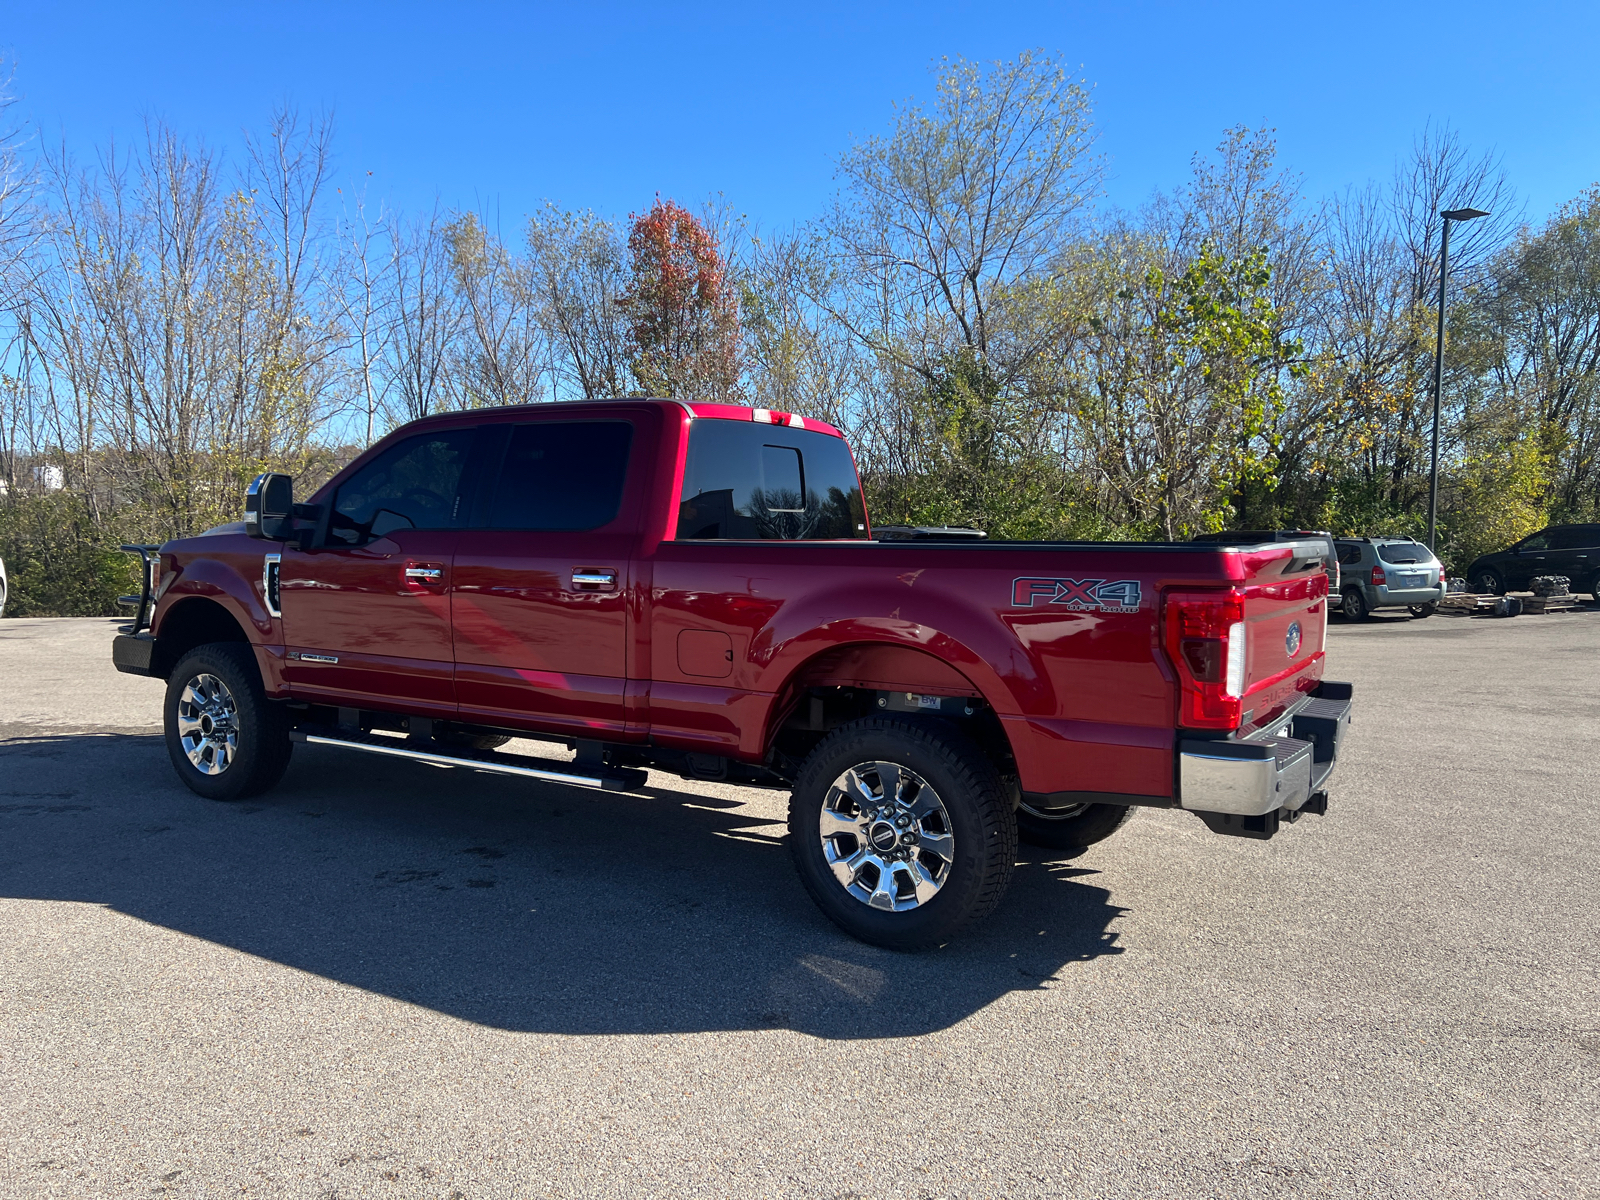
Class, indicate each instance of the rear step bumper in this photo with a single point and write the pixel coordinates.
(597, 776)
(1265, 775)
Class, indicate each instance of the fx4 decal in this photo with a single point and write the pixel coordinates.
(1118, 596)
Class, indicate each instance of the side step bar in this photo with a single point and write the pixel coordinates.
(601, 778)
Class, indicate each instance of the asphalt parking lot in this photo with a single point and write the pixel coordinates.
(384, 979)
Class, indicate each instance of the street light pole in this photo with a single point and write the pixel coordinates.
(1449, 214)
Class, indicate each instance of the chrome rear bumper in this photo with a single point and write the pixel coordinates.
(1262, 775)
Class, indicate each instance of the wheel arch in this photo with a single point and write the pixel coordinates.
(193, 621)
(869, 667)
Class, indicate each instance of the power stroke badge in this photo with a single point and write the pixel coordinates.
(1081, 595)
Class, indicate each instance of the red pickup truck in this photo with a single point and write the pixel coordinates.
(696, 588)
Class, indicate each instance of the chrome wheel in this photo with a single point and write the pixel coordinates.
(886, 836)
(208, 728)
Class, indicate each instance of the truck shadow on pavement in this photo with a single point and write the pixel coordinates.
(523, 907)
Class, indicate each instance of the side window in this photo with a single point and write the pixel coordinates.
(411, 485)
(1349, 555)
(1574, 537)
(1539, 541)
(561, 475)
(749, 481)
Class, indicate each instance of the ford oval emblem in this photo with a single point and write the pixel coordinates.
(1291, 640)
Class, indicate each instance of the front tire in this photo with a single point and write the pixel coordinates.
(1355, 605)
(1072, 829)
(225, 738)
(1424, 610)
(1487, 582)
(902, 831)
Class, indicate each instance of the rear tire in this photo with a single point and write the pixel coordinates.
(225, 738)
(1071, 830)
(1420, 611)
(1355, 605)
(456, 740)
(902, 831)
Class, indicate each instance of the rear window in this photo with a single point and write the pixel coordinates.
(1404, 552)
(561, 475)
(753, 481)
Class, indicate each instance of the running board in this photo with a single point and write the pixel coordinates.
(606, 779)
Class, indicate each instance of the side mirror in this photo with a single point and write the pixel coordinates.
(269, 508)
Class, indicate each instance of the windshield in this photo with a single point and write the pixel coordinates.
(1405, 552)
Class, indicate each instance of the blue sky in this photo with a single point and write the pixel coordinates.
(604, 105)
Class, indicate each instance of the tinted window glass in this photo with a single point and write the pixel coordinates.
(758, 481)
(782, 479)
(1575, 537)
(561, 475)
(411, 485)
(1349, 555)
(1404, 552)
(1539, 541)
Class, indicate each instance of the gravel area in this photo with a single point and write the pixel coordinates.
(384, 979)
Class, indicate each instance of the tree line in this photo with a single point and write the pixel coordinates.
(1003, 349)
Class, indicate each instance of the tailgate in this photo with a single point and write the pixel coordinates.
(1285, 594)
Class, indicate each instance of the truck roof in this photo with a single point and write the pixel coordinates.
(695, 408)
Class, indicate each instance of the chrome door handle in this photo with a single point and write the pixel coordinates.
(601, 579)
(424, 574)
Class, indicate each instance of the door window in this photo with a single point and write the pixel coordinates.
(1574, 537)
(561, 475)
(759, 482)
(414, 484)
(1349, 554)
(1539, 541)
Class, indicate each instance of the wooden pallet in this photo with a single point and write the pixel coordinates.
(1534, 605)
(1469, 603)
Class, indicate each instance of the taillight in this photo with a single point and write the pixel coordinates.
(1205, 639)
(1378, 577)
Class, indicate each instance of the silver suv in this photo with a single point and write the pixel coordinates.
(1388, 572)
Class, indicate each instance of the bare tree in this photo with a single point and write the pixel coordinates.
(502, 356)
(423, 317)
(943, 220)
(360, 292)
(577, 270)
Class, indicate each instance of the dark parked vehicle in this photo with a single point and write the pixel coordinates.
(1389, 572)
(1255, 537)
(1570, 550)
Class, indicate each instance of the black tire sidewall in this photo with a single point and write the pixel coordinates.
(263, 745)
(981, 821)
(1490, 582)
(1072, 835)
(1355, 605)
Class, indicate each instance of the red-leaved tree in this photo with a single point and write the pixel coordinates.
(683, 315)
